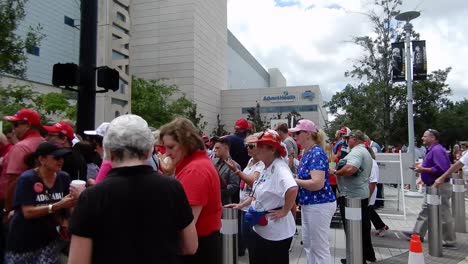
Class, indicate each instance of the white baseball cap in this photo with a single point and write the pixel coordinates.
(100, 130)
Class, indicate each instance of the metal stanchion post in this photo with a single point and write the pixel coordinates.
(353, 231)
(458, 205)
(229, 235)
(434, 221)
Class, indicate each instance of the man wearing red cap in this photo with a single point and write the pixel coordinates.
(238, 152)
(26, 123)
(63, 134)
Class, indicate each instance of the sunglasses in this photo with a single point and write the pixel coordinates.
(250, 146)
(298, 132)
(16, 124)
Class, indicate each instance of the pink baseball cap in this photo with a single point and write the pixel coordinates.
(304, 125)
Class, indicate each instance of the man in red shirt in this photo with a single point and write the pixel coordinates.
(26, 123)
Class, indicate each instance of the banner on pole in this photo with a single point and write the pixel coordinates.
(398, 62)
(419, 60)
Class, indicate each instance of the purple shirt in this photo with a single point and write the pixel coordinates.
(438, 161)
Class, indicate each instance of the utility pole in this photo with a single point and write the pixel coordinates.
(86, 105)
(407, 17)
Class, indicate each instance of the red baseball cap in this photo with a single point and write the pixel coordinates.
(271, 137)
(63, 128)
(25, 115)
(345, 131)
(242, 124)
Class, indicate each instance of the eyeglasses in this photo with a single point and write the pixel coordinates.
(250, 146)
(16, 124)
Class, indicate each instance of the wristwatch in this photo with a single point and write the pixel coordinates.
(50, 208)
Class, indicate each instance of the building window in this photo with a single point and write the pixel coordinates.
(283, 109)
(69, 21)
(122, 86)
(118, 56)
(33, 50)
(121, 17)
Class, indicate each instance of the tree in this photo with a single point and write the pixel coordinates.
(293, 115)
(255, 117)
(151, 99)
(219, 130)
(376, 105)
(13, 46)
(195, 117)
(451, 123)
(55, 105)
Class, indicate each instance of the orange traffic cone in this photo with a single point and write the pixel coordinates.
(416, 255)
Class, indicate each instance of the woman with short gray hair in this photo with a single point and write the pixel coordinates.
(119, 220)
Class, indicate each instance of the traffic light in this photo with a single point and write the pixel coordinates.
(65, 74)
(108, 78)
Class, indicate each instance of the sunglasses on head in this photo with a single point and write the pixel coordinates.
(250, 146)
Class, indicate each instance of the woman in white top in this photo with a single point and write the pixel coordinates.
(272, 197)
(247, 176)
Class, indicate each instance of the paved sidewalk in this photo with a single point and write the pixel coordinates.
(393, 248)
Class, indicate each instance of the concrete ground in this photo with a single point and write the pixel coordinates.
(393, 248)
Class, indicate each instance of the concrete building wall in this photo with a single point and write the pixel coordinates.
(61, 42)
(276, 78)
(184, 43)
(306, 100)
(244, 71)
(162, 44)
(210, 58)
(113, 50)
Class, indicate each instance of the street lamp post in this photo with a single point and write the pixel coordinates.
(407, 17)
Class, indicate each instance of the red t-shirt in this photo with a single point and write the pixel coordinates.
(200, 180)
(14, 164)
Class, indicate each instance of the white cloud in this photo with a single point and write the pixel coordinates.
(308, 39)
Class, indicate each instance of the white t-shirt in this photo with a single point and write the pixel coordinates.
(374, 177)
(464, 160)
(250, 169)
(269, 193)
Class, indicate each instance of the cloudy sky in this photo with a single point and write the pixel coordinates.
(309, 40)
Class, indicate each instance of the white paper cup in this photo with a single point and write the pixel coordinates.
(78, 184)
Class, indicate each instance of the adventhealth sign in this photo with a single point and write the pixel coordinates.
(280, 98)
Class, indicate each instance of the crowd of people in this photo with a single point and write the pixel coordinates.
(156, 195)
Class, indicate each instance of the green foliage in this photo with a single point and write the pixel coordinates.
(187, 108)
(219, 129)
(296, 116)
(16, 97)
(12, 46)
(55, 104)
(254, 116)
(376, 105)
(451, 122)
(151, 100)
